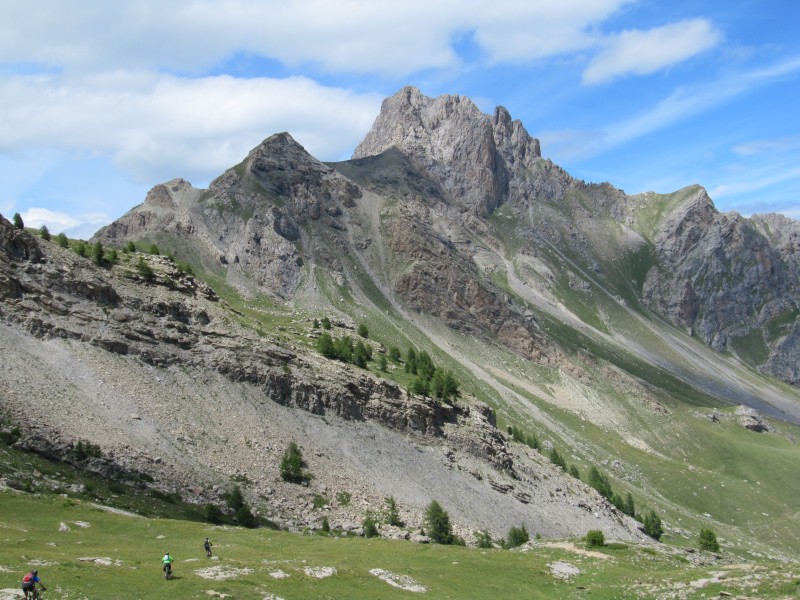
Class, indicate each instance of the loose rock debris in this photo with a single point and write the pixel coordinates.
(563, 570)
(220, 573)
(404, 582)
(319, 572)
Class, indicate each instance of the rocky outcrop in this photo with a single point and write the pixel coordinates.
(469, 154)
(721, 277)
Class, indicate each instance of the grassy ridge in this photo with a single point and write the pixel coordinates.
(34, 531)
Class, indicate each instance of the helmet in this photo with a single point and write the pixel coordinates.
(36, 572)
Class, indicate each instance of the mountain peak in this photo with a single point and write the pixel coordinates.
(465, 150)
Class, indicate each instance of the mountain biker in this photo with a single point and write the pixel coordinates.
(29, 583)
(167, 561)
(207, 545)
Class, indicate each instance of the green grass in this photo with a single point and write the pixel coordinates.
(31, 535)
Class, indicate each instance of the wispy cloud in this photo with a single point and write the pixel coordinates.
(643, 52)
(767, 146)
(682, 104)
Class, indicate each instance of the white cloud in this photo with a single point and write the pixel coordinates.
(55, 221)
(158, 126)
(354, 36)
(644, 52)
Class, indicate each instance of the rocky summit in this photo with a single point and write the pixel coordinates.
(580, 323)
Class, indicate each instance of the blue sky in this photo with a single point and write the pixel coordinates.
(101, 100)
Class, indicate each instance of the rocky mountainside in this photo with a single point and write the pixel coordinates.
(155, 370)
(617, 328)
(438, 170)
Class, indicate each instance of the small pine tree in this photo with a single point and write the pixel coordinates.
(595, 538)
(292, 464)
(394, 353)
(234, 498)
(438, 522)
(517, 536)
(652, 526)
(61, 240)
(708, 540)
(44, 232)
(154, 250)
(113, 256)
(315, 324)
(411, 361)
(80, 248)
(130, 247)
(98, 254)
(359, 356)
(326, 323)
(557, 459)
(363, 331)
(573, 471)
(383, 363)
(326, 526)
(325, 345)
(628, 507)
(392, 514)
(600, 482)
(18, 221)
(369, 527)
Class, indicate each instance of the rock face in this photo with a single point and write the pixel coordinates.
(726, 278)
(469, 154)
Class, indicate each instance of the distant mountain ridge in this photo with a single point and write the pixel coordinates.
(446, 170)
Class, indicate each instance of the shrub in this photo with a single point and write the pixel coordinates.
(213, 514)
(319, 501)
(61, 240)
(11, 436)
(383, 363)
(234, 498)
(517, 536)
(326, 323)
(145, 270)
(80, 248)
(362, 330)
(246, 518)
(438, 522)
(394, 353)
(113, 256)
(130, 247)
(154, 250)
(573, 471)
(343, 498)
(708, 540)
(18, 221)
(315, 324)
(483, 539)
(595, 538)
(45, 233)
(292, 465)
(326, 526)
